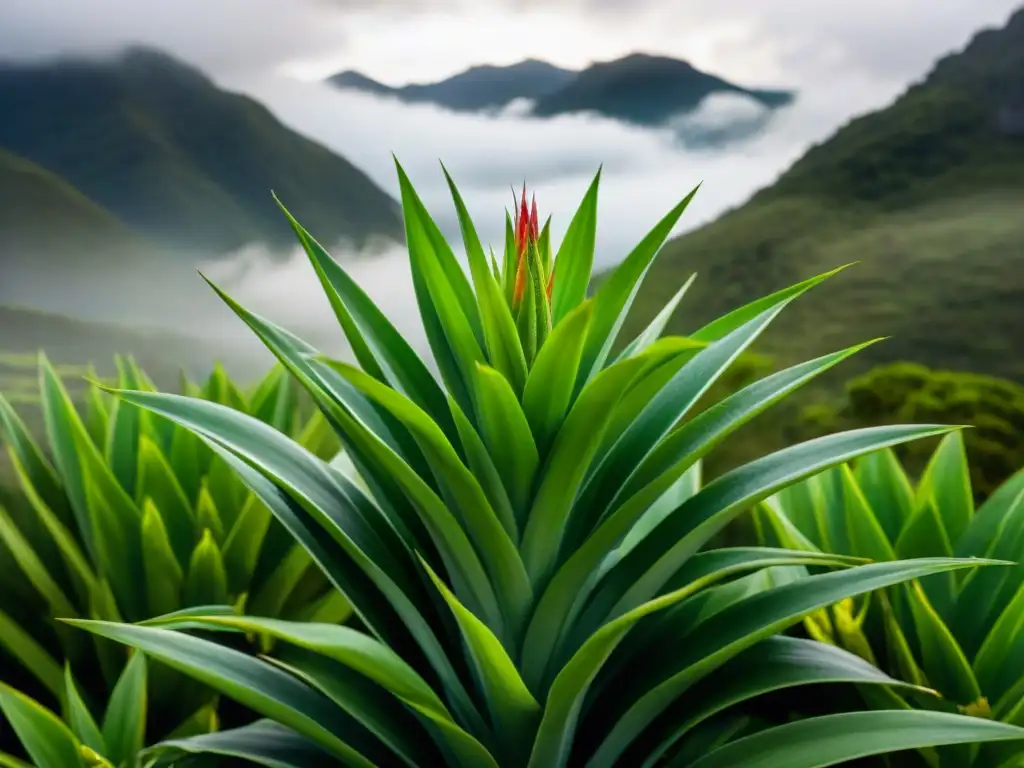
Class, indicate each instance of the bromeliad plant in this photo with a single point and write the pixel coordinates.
(127, 517)
(526, 560)
(961, 634)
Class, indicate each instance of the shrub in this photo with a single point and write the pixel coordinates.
(913, 394)
(525, 562)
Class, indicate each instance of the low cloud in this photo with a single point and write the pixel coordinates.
(721, 119)
(288, 292)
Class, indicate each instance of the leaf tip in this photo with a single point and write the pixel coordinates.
(96, 382)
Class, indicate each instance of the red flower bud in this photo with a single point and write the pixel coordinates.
(524, 221)
(527, 232)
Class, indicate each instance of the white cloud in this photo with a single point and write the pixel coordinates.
(288, 292)
(784, 42)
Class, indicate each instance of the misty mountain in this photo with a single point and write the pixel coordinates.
(145, 144)
(62, 252)
(639, 89)
(926, 195)
(475, 90)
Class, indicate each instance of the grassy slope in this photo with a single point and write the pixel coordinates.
(943, 280)
(180, 160)
(927, 195)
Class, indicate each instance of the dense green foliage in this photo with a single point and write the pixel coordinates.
(926, 195)
(959, 634)
(164, 150)
(908, 393)
(126, 516)
(519, 541)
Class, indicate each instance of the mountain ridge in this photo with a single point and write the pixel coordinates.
(639, 88)
(474, 89)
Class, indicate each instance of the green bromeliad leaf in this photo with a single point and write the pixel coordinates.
(262, 743)
(503, 345)
(575, 257)
(835, 739)
(615, 296)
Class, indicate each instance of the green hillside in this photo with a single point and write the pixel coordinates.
(42, 213)
(926, 194)
(178, 160)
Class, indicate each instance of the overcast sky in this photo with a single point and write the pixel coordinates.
(757, 41)
(843, 58)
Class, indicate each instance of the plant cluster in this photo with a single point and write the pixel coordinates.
(524, 540)
(128, 516)
(960, 634)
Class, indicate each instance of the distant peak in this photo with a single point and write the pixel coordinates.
(645, 60)
(535, 63)
(350, 74)
(144, 60)
(640, 56)
(353, 78)
(132, 59)
(145, 53)
(526, 65)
